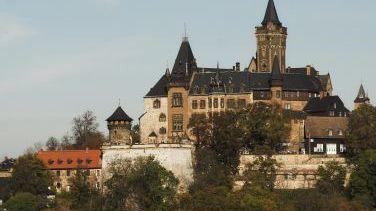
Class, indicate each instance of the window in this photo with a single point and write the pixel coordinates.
(330, 132)
(156, 104)
(287, 106)
(331, 113)
(58, 185)
(210, 103)
(68, 188)
(215, 103)
(58, 173)
(177, 122)
(69, 161)
(262, 94)
(241, 103)
(87, 172)
(194, 104)
(202, 104)
(340, 132)
(319, 148)
(222, 103)
(278, 94)
(298, 94)
(309, 95)
(162, 130)
(98, 172)
(68, 173)
(162, 117)
(342, 148)
(231, 103)
(177, 100)
(97, 185)
(286, 94)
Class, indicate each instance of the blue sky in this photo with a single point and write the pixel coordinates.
(60, 58)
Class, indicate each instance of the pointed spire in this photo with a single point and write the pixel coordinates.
(185, 57)
(167, 73)
(276, 75)
(362, 96)
(271, 14)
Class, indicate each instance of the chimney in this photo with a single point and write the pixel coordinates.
(233, 68)
(308, 69)
(237, 66)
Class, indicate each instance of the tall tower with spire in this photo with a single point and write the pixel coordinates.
(361, 98)
(271, 41)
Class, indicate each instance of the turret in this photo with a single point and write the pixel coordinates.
(361, 98)
(119, 125)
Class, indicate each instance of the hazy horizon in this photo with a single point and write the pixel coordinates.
(59, 59)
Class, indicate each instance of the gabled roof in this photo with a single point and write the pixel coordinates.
(119, 115)
(271, 14)
(318, 127)
(71, 159)
(276, 75)
(362, 96)
(325, 104)
(153, 134)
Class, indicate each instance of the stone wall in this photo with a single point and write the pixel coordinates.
(296, 171)
(174, 157)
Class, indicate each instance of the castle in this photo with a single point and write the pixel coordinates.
(189, 89)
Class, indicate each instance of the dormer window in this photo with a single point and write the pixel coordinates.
(330, 132)
(88, 160)
(69, 161)
(50, 161)
(340, 132)
(59, 161)
(79, 161)
(156, 104)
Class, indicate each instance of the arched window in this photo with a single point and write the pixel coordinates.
(156, 104)
(162, 130)
(162, 117)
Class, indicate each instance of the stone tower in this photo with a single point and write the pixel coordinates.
(361, 98)
(119, 125)
(271, 41)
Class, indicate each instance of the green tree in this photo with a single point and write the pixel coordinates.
(135, 133)
(22, 202)
(82, 195)
(142, 185)
(361, 130)
(30, 175)
(261, 173)
(201, 128)
(331, 177)
(362, 184)
(265, 125)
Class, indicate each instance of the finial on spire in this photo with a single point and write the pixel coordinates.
(185, 37)
(119, 102)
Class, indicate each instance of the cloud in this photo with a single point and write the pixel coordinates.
(13, 29)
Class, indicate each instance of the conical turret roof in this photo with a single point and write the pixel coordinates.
(184, 60)
(362, 96)
(119, 115)
(276, 75)
(271, 14)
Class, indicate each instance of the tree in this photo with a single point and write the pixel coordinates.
(135, 133)
(142, 185)
(82, 195)
(361, 130)
(29, 175)
(66, 142)
(52, 144)
(264, 125)
(22, 202)
(331, 177)
(201, 129)
(85, 131)
(362, 184)
(261, 173)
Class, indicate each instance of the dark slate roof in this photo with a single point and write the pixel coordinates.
(207, 82)
(276, 75)
(7, 164)
(184, 63)
(301, 70)
(325, 104)
(153, 134)
(119, 115)
(271, 14)
(159, 89)
(362, 96)
(324, 79)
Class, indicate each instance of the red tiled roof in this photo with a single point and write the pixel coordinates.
(71, 159)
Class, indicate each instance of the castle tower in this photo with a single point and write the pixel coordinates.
(361, 98)
(119, 125)
(276, 82)
(271, 41)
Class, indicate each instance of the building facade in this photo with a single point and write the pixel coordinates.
(65, 164)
